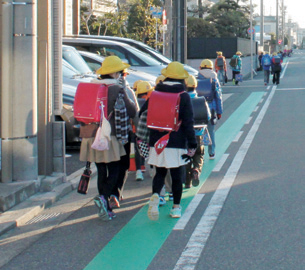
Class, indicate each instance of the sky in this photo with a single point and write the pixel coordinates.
(295, 9)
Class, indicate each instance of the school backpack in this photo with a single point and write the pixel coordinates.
(276, 60)
(89, 98)
(207, 89)
(233, 62)
(220, 63)
(277, 64)
(163, 111)
(163, 115)
(200, 111)
(266, 61)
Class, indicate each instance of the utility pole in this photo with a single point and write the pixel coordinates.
(180, 33)
(277, 25)
(283, 23)
(251, 37)
(18, 113)
(168, 34)
(262, 25)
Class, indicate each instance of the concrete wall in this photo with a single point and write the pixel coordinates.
(246, 65)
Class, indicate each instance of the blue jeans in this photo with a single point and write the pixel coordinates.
(211, 129)
(221, 76)
(266, 76)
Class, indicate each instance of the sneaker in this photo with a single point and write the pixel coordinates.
(162, 201)
(101, 204)
(212, 156)
(187, 186)
(111, 214)
(175, 212)
(233, 81)
(114, 202)
(195, 177)
(139, 176)
(143, 169)
(170, 196)
(153, 207)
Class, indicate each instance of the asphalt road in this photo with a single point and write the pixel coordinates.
(247, 213)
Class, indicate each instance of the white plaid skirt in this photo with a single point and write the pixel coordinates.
(169, 158)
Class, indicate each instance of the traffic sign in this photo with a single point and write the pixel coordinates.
(156, 11)
(280, 41)
(249, 31)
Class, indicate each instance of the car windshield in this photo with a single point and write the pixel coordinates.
(161, 56)
(143, 56)
(74, 59)
(67, 70)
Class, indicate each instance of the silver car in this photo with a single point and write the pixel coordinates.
(143, 48)
(94, 61)
(136, 59)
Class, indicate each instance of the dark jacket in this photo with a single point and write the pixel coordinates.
(184, 138)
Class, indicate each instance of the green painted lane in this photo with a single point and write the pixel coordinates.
(135, 246)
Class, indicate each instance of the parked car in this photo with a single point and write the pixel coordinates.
(135, 58)
(94, 61)
(74, 71)
(143, 48)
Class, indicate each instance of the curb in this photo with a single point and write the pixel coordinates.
(25, 211)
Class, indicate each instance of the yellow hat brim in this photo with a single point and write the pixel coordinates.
(168, 74)
(113, 69)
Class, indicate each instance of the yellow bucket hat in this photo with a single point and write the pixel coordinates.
(175, 70)
(112, 64)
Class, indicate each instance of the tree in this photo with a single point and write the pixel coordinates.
(230, 18)
(141, 24)
(198, 10)
(111, 24)
(87, 19)
(197, 27)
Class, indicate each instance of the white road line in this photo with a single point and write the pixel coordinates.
(290, 89)
(189, 211)
(198, 239)
(225, 97)
(249, 120)
(268, 87)
(238, 136)
(256, 109)
(220, 163)
(283, 73)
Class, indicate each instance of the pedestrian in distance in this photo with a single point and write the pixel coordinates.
(108, 162)
(181, 144)
(221, 67)
(194, 168)
(143, 91)
(236, 66)
(266, 63)
(215, 105)
(276, 68)
(261, 54)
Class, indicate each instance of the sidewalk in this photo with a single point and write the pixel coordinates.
(26, 210)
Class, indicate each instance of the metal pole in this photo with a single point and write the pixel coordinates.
(156, 33)
(262, 25)
(283, 23)
(277, 25)
(251, 38)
